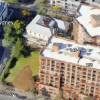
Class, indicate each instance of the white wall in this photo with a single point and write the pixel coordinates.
(37, 35)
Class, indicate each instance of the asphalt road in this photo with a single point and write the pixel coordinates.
(31, 7)
(4, 97)
(4, 52)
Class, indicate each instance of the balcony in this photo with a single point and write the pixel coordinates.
(84, 73)
(57, 67)
(57, 63)
(52, 69)
(43, 67)
(51, 81)
(92, 88)
(43, 64)
(97, 84)
(82, 89)
(42, 71)
(84, 81)
(62, 80)
(68, 69)
(48, 68)
(73, 70)
(48, 65)
(94, 72)
(84, 76)
(93, 79)
(52, 66)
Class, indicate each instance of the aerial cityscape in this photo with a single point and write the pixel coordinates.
(49, 49)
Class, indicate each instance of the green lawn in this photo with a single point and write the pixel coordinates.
(39, 1)
(32, 62)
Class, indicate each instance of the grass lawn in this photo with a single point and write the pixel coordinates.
(39, 1)
(32, 62)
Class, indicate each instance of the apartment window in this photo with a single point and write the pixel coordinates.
(97, 84)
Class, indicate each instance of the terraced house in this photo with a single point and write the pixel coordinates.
(86, 28)
(71, 67)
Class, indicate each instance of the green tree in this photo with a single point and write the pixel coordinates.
(16, 49)
(6, 43)
(26, 13)
(12, 0)
(41, 11)
(19, 26)
(7, 29)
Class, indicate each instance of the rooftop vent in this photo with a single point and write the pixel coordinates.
(55, 47)
(95, 20)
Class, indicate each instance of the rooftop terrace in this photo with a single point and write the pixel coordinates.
(68, 50)
(85, 12)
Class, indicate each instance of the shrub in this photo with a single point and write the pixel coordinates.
(55, 7)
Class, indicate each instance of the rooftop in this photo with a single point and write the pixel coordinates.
(41, 24)
(85, 12)
(87, 53)
(1, 9)
(96, 17)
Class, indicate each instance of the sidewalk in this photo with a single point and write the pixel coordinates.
(17, 91)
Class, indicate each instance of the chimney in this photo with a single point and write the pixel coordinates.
(95, 20)
(75, 54)
(55, 47)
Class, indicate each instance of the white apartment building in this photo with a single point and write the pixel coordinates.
(41, 28)
(65, 3)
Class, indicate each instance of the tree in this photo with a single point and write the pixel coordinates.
(19, 26)
(26, 13)
(16, 49)
(6, 43)
(12, 0)
(41, 11)
(7, 29)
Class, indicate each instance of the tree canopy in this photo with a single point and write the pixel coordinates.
(16, 49)
(19, 26)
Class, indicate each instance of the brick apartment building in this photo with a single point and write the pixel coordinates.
(86, 28)
(70, 67)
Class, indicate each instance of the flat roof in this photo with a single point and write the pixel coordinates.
(37, 25)
(89, 54)
(96, 17)
(1, 9)
(85, 12)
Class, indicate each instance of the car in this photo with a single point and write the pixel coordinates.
(1, 92)
(5, 59)
(14, 95)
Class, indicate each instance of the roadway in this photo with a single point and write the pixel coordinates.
(31, 7)
(4, 97)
